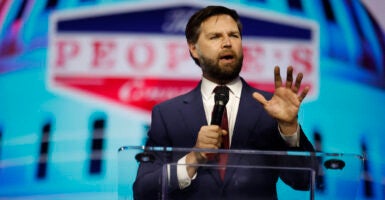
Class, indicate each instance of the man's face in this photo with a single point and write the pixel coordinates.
(219, 49)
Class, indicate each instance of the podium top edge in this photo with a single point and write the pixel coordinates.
(241, 151)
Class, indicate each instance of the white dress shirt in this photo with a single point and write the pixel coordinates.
(207, 90)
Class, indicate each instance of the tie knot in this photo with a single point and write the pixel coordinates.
(221, 89)
(221, 94)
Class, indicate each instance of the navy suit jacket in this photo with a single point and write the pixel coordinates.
(176, 123)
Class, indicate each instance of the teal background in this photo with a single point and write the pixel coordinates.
(348, 113)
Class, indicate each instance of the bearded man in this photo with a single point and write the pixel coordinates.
(256, 120)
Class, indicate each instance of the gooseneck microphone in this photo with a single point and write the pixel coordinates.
(221, 98)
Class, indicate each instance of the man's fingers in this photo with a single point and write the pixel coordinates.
(298, 81)
(211, 136)
(277, 77)
(208, 146)
(260, 98)
(289, 77)
(210, 140)
(303, 94)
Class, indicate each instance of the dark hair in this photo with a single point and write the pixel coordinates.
(193, 26)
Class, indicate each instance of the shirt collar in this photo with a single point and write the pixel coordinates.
(207, 87)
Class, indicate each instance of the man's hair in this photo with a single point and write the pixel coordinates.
(193, 27)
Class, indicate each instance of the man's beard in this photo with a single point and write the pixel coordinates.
(221, 74)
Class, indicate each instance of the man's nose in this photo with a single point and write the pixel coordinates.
(226, 42)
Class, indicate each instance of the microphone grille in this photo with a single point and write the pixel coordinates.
(221, 94)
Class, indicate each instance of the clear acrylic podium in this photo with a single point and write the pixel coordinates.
(318, 175)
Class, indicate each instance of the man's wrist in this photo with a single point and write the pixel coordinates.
(191, 159)
(291, 138)
(288, 128)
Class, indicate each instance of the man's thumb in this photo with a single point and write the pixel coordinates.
(259, 98)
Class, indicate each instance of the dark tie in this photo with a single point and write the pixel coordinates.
(223, 90)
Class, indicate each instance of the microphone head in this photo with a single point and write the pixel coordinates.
(221, 95)
(221, 98)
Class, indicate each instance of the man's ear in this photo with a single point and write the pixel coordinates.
(193, 50)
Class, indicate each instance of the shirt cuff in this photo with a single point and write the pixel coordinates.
(184, 179)
(293, 139)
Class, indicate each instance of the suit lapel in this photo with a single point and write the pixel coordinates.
(193, 112)
(244, 125)
(246, 117)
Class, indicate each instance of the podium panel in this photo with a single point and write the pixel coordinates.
(154, 173)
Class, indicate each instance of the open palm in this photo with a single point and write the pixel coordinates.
(285, 103)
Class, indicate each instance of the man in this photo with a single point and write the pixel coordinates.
(256, 120)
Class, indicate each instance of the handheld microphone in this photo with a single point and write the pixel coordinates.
(221, 98)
